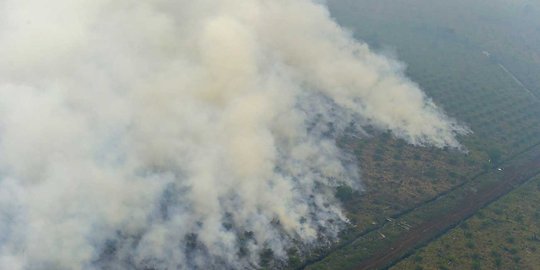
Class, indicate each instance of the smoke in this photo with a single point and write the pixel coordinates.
(184, 134)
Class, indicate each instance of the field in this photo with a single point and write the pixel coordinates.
(476, 70)
(402, 233)
(505, 235)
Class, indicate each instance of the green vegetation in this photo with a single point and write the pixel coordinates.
(504, 235)
(397, 177)
(367, 244)
(444, 46)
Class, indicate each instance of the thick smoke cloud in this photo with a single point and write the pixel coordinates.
(184, 134)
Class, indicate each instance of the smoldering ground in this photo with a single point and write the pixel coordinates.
(184, 134)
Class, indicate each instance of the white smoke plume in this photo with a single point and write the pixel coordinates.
(183, 134)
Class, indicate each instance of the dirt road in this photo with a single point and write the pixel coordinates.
(472, 202)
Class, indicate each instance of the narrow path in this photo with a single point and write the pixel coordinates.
(520, 83)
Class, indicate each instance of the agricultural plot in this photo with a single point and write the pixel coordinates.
(505, 235)
(397, 177)
(398, 235)
(447, 58)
